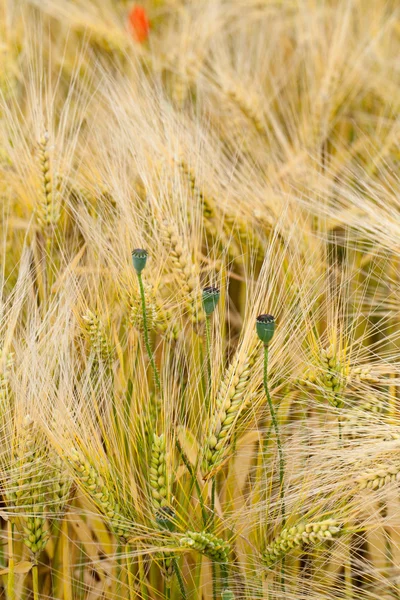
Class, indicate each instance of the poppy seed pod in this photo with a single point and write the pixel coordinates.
(139, 258)
(227, 595)
(265, 325)
(165, 518)
(210, 299)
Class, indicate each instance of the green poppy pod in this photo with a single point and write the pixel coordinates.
(265, 325)
(139, 259)
(210, 299)
(227, 595)
(165, 518)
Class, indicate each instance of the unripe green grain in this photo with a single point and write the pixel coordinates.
(229, 404)
(95, 486)
(294, 537)
(206, 543)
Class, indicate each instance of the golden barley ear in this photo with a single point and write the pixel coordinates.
(48, 207)
(229, 404)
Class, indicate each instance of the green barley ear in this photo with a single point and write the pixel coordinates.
(210, 298)
(227, 595)
(139, 259)
(98, 489)
(265, 325)
(28, 492)
(298, 535)
(206, 543)
(158, 472)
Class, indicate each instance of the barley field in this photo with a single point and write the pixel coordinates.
(199, 300)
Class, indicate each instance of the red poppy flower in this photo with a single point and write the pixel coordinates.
(139, 23)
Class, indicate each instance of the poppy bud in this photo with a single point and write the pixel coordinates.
(210, 299)
(139, 259)
(165, 518)
(265, 325)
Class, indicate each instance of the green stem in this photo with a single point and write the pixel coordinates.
(142, 576)
(179, 578)
(214, 580)
(167, 590)
(213, 565)
(280, 452)
(35, 582)
(208, 352)
(278, 439)
(66, 566)
(224, 576)
(146, 334)
(130, 574)
(197, 578)
(213, 488)
(56, 567)
(119, 569)
(266, 439)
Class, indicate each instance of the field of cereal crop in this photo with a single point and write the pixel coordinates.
(199, 300)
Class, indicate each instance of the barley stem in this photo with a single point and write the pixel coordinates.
(47, 264)
(179, 578)
(146, 334)
(142, 576)
(119, 570)
(348, 585)
(197, 578)
(213, 487)
(80, 585)
(214, 580)
(66, 561)
(224, 576)
(35, 582)
(130, 574)
(11, 574)
(194, 479)
(213, 565)
(56, 567)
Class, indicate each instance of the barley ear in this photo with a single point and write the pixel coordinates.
(294, 537)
